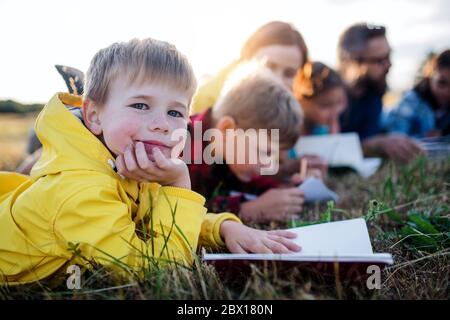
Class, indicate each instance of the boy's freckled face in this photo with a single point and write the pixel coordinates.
(147, 113)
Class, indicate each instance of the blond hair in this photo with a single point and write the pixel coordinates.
(257, 99)
(146, 60)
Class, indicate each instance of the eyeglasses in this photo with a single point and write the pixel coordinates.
(374, 60)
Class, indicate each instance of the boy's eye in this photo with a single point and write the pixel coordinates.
(139, 106)
(174, 113)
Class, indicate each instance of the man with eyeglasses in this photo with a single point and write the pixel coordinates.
(364, 62)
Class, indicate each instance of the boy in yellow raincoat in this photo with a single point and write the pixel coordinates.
(137, 94)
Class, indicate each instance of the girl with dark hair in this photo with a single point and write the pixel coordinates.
(424, 111)
(322, 95)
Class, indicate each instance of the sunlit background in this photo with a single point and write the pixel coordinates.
(36, 35)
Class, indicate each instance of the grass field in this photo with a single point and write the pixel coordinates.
(14, 129)
(410, 218)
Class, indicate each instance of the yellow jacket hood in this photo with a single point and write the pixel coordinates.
(67, 143)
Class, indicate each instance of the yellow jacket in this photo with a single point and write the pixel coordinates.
(73, 196)
(208, 93)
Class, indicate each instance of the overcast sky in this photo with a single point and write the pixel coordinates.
(36, 35)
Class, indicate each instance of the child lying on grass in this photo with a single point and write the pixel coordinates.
(137, 94)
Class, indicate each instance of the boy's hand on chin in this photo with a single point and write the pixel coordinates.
(135, 164)
(242, 239)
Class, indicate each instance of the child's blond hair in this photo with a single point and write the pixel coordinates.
(255, 98)
(140, 61)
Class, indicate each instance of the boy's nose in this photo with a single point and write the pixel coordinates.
(159, 124)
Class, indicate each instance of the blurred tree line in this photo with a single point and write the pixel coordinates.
(11, 106)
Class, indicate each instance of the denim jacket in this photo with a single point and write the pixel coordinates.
(413, 116)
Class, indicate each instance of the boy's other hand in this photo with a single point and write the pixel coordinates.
(316, 164)
(274, 205)
(288, 167)
(242, 239)
(135, 164)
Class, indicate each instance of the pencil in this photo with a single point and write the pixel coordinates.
(303, 166)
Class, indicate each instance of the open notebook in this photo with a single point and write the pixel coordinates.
(342, 241)
(339, 150)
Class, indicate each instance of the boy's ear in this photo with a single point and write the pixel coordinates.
(91, 117)
(225, 123)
